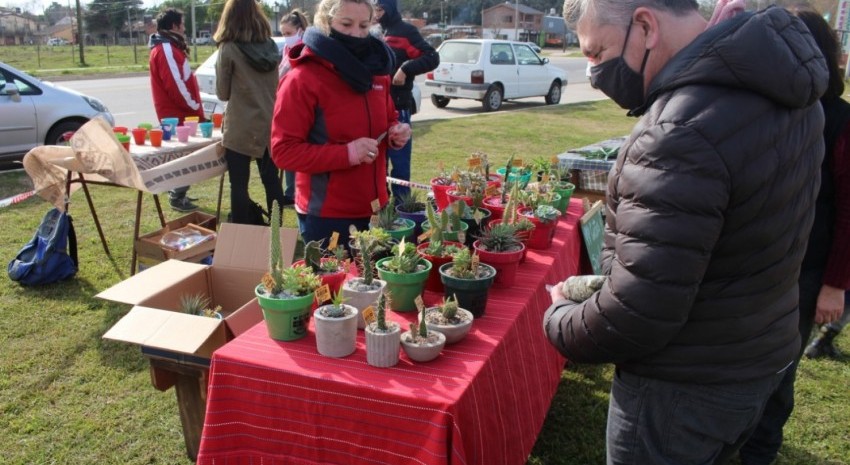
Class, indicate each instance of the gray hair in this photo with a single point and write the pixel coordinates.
(619, 12)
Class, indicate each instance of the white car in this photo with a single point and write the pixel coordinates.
(492, 71)
(206, 82)
(35, 113)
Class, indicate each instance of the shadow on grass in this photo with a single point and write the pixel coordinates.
(574, 430)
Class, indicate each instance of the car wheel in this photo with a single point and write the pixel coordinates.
(54, 136)
(554, 95)
(493, 99)
(439, 101)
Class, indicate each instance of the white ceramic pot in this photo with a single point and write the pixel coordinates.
(453, 333)
(336, 337)
(359, 298)
(423, 352)
(382, 348)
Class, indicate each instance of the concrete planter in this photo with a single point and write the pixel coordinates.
(336, 337)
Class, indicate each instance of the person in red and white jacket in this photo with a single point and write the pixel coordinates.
(332, 110)
(173, 84)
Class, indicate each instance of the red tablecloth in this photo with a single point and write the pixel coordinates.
(483, 401)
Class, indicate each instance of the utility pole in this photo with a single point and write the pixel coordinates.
(130, 34)
(194, 34)
(516, 20)
(79, 34)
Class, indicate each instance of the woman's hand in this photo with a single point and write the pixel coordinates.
(830, 305)
(399, 135)
(556, 292)
(362, 150)
(399, 78)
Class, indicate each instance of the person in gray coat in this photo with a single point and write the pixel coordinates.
(246, 78)
(709, 207)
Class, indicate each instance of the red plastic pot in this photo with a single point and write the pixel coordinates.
(434, 283)
(523, 237)
(494, 204)
(453, 196)
(334, 280)
(505, 263)
(440, 197)
(542, 234)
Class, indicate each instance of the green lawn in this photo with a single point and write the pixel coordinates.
(67, 396)
(46, 61)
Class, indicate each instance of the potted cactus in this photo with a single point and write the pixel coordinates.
(499, 247)
(474, 217)
(468, 281)
(383, 243)
(562, 185)
(545, 219)
(388, 220)
(452, 227)
(440, 185)
(439, 247)
(450, 319)
(405, 272)
(199, 304)
(285, 294)
(336, 328)
(383, 338)
(363, 291)
(331, 266)
(420, 343)
(411, 207)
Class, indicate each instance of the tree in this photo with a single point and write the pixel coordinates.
(111, 16)
(55, 12)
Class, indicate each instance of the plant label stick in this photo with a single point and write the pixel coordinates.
(369, 315)
(334, 239)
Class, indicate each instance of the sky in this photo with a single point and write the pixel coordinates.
(37, 6)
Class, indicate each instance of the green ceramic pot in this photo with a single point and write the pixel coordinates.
(286, 319)
(404, 288)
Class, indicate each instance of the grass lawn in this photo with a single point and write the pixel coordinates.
(60, 60)
(67, 396)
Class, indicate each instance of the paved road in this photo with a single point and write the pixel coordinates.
(129, 98)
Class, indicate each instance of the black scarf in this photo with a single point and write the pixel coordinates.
(356, 60)
(177, 40)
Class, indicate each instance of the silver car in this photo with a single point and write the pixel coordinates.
(33, 112)
(206, 82)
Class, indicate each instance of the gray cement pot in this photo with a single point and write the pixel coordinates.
(453, 333)
(422, 352)
(382, 348)
(359, 298)
(336, 337)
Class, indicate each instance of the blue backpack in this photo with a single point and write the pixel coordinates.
(45, 258)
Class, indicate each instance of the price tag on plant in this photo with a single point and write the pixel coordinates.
(420, 304)
(491, 190)
(323, 294)
(455, 176)
(373, 220)
(369, 315)
(555, 161)
(478, 216)
(461, 237)
(424, 235)
(376, 205)
(518, 162)
(440, 166)
(334, 240)
(474, 162)
(545, 178)
(475, 261)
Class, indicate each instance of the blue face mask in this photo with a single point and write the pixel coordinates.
(617, 80)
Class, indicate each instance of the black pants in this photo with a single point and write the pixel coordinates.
(239, 172)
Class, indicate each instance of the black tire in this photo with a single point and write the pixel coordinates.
(54, 136)
(554, 95)
(439, 101)
(492, 99)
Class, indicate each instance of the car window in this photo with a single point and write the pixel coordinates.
(24, 87)
(460, 52)
(526, 56)
(501, 54)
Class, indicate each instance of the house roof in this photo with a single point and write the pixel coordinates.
(524, 9)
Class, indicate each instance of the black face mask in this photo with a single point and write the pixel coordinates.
(616, 80)
(358, 46)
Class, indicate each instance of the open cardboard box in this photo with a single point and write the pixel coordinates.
(156, 323)
(149, 247)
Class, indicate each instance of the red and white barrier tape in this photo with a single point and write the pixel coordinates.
(412, 184)
(16, 199)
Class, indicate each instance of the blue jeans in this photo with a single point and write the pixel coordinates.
(763, 447)
(660, 422)
(400, 160)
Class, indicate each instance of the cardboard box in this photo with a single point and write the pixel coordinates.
(156, 322)
(148, 246)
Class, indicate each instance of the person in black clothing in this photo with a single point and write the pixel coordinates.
(413, 56)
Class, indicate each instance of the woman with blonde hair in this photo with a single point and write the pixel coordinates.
(334, 119)
(246, 77)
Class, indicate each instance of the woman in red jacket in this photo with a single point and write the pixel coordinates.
(332, 111)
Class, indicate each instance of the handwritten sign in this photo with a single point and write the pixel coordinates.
(491, 190)
(369, 315)
(554, 160)
(373, 220)
(474, 162)
(323, 294)
(518, 162)
(334, 240)
(420, 304)
(593, 230)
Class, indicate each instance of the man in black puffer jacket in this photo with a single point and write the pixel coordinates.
(413, 56)
(709, 207)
